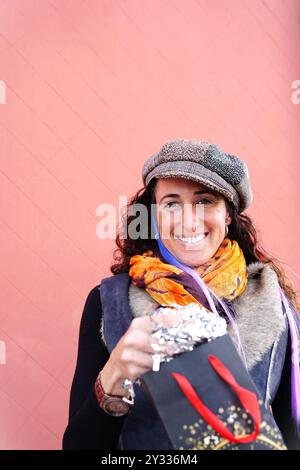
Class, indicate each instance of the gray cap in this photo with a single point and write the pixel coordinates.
(203, 162)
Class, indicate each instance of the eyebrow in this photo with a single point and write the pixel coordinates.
(202, 191)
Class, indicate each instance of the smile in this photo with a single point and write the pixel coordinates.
(192, 240)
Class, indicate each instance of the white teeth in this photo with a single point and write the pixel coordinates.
(191, 239)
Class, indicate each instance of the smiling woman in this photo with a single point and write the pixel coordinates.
(204, 250)
(196, 219)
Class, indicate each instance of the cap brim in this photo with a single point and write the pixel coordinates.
(194, 172)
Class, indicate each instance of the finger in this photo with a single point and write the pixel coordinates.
(145, 342)
(167, 320)
(140, 360)
(145, 324)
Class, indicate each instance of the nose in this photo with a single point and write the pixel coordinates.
(193, 219)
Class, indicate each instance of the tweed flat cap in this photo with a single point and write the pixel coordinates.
(203, 162)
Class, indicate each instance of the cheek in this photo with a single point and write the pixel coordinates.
(215, 218)
(167, 221)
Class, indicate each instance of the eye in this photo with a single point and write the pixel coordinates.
(204, 199)
(171, 205)
(176, 205)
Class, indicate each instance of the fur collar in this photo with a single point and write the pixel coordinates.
(258, 311)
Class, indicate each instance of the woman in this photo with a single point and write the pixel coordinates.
(210, 256)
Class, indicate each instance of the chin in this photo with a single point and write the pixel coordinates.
(190, 259)
(194, 263)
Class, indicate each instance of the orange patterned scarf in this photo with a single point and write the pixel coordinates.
(225, 274)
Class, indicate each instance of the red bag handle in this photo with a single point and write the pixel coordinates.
(247, 398)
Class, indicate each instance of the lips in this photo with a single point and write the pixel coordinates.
(192, 240)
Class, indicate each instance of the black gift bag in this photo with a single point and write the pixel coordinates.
(207, 400)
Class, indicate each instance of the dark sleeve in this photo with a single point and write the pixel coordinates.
(281, 405)
(89, 427)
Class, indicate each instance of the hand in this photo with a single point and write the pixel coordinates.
(133, 354)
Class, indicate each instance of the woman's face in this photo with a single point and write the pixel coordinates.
(186, 211)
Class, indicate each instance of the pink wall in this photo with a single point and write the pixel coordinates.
(93, 88)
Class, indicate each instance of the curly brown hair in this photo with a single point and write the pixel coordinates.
(241, 229)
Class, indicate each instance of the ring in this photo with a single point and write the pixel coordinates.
(156, 362)
(128, 385)
(159, 348)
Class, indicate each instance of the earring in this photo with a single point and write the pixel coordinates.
(226, 230)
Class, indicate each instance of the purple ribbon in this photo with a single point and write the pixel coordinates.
(295, 373)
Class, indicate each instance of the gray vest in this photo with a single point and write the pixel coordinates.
(262, 327)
